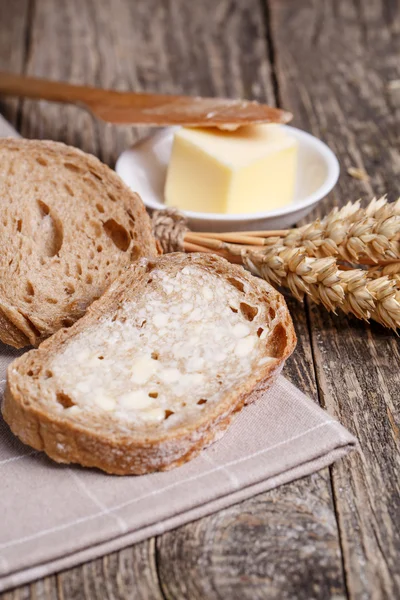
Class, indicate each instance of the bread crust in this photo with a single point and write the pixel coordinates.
(58, 195)
(96, 444)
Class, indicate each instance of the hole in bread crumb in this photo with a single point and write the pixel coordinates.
(52, 300)
(233, 309)
(112, 197)
(155, 355)
(236, 283)
(69, 288)
(142, 324)
(79, 269)
(271, 313)
(97, 228)
(89, 278)
(202, 401)
(30, 289)
(96, 175)
(100, 357)
(118, 234)
(49, 232)
(68, 189)
(30, 373)
(100, 208)
(65, 400)
(41, 161)
(135, 253)
(131, 215)
(150, 266)
(279, 341)
(67, 322)
(19, 225)
(99, 248)
(248, 311)
(259, 331)
(153, 394)
(43, 208)
(48, 374)
(168, 413)
(72, 167)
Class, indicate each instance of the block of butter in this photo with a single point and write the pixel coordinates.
(252, 169)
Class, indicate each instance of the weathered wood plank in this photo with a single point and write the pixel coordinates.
(335, 61)
(14, 26)
(130, 573)
(286, 544)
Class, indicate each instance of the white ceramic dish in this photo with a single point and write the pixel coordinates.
(143, 168)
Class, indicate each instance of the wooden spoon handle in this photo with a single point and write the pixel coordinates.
(32, 87)
(144, 108)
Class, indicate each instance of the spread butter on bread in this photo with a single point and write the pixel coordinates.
(156, 369)
(68, 227)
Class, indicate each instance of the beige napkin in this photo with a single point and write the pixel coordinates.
(54, 517)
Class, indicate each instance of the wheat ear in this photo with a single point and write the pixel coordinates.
(355, 234)
(327, 283)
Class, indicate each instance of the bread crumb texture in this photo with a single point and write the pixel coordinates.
(68, 228)
(156, 369)
(163, 357)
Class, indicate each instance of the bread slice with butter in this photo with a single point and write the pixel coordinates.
(157, 368)
(68, 227)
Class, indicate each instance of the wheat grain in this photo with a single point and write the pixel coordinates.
(387, 301)
(353, 291)
(358, 173)
(352, 233)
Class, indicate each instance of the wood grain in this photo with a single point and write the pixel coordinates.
(334, 64)
(130, 573)
(14, 24)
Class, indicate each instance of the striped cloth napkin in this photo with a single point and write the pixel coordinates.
(58, 516)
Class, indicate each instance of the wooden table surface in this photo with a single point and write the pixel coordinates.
(335, 64)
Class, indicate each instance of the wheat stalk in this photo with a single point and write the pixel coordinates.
(358, 235)
(321, 260)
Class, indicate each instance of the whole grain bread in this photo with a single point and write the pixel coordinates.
(68, 227)
(157, 368)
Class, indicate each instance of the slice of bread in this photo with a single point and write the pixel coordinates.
(68, 227)
(156, 369)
